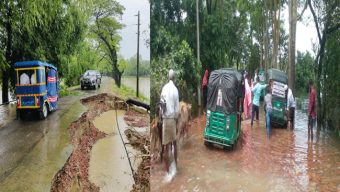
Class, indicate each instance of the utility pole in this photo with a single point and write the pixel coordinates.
(198, 55)
(137, 89)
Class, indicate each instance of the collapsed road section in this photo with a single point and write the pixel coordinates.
(103, 156)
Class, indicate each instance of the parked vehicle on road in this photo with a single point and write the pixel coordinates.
(90, 79)
(224, 107)
(36, 88)
(278, 81)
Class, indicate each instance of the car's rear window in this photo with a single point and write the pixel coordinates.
(90, 73)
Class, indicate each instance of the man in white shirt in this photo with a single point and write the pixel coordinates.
(170, 96)
(290, 107)
(24, 79)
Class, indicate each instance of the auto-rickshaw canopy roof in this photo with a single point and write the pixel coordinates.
(33, 64)
(277, 75)
(224, 88)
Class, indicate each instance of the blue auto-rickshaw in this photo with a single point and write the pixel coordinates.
(36, 88)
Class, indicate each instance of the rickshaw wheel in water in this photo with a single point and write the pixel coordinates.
(43, 112)
(22, 115)
(207, 144)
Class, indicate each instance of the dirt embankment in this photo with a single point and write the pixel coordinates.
(74, 174)
(140, 142)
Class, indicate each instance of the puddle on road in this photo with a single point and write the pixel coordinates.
(7, 113)
(107, 123)
(36, 170)
(109, 168)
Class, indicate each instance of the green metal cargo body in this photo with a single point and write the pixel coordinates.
(279, 80)
(224, 99)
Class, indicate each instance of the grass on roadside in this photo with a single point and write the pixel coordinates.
(127, 92)
(67, 91)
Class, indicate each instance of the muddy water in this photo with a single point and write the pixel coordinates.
(144, 84)
(7, 114)
(36, 150)
(109, 168)
(288, 162)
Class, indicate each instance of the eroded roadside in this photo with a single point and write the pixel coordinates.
(84, 136)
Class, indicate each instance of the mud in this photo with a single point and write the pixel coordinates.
(73, 176)
(142, 175)
(136, 118)
(139, 140)
(84, 135)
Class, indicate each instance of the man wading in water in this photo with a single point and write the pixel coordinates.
(170, 97)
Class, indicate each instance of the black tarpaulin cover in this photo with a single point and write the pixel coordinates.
(277, 75)
(223, 90)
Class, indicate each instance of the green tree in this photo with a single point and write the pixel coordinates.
(38, 30)
(105, 27)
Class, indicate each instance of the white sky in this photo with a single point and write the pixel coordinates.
(128, 44)
(306, 33)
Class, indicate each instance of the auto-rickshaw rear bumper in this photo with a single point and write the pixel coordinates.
(219, 140)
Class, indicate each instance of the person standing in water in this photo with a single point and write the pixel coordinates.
(170, 97)
(257, 89)
(311, 109)
(268, 109)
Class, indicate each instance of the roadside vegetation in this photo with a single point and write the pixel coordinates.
(72, 35)
(246, 35)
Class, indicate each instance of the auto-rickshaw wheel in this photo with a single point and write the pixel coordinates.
(22, 115)
(43, 113)
(207, 144)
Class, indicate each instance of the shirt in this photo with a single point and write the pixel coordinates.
(268, 101)
(170, 96)
(24, 79)
(257, 93)
(311, 104)
(290, 99)
(33, 81)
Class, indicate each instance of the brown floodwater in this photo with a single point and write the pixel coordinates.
(289, 161)
(109, 167)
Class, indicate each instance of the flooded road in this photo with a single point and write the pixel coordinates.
(144, 84)
(288, 162)
(32, 151)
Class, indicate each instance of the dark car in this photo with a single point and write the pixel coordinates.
(90, 79)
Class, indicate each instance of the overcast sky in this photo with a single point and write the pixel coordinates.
(306, 33)
(128, 44)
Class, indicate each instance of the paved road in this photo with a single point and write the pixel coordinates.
(30, 146)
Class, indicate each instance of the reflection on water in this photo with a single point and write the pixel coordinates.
(288, 162)
(144, 84)
(37, 168)
(109, 168)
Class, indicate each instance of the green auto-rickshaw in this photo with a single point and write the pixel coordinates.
(224, 107)
(278, 81)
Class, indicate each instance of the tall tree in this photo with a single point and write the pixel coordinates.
(105, 27)
(326, 18)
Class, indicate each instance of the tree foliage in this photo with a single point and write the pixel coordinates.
(57, 32)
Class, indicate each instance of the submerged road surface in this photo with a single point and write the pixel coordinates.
(32, 151)
(289, 161)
